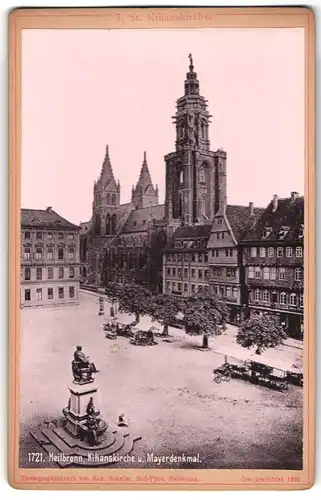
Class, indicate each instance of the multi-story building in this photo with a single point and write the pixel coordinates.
(273, 258)
(226, 273)
(185, 261)
(49, 259)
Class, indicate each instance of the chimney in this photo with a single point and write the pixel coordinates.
(49, 209)
(294, 195)
(275, 203)
(251, 207)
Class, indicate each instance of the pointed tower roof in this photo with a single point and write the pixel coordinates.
(145, 179)
(107, 173)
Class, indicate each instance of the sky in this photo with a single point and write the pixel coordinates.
(84, 89)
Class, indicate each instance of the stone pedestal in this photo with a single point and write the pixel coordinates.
(76, 412)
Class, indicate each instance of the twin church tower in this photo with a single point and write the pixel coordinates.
(195, 175)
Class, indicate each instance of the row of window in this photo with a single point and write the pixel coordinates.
(291, 299)
(230, 272)
(50, 273)
(226, 291)
(270, 252)
(195, 243)
(50, 293)
(49, 235)
(110, 199)
(193, 257)
(272, 273)
(229, 252)
(50, 253)
(200, 273)
(171, 286)
(220, 236)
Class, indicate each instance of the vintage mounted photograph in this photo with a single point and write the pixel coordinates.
(162, 256)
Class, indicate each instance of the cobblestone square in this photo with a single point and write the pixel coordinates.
(166, 392)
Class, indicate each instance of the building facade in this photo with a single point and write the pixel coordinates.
(49, 259)
(226, 272)
(273, 255)
(185, 261)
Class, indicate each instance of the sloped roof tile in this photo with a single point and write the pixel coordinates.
(45, 219)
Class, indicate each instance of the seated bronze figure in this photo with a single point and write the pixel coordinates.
(82, 367)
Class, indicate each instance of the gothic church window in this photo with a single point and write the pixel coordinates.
(108, 224)
(203, 130)
(108, 199)
(113, 224)
(113, 199)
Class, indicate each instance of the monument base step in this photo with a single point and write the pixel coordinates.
(65, 450)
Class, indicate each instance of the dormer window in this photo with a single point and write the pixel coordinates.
(301, 234)
(283, 232)
(266, 232)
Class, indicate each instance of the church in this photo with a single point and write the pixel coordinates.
(126, 243)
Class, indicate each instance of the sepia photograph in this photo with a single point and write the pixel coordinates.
(162, 256)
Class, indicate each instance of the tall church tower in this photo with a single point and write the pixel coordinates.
(106, 200)
(195, 176)
(144, 194)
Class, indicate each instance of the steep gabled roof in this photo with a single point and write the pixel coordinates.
(289, 215)
(201, 231)
(138, 219)
(85, 227)
(241, 220)
(47, 219)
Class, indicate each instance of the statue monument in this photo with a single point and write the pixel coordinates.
(82, 428)
(82, 419)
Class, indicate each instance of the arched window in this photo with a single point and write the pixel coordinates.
(108, 199)
(97, 224)
(203, 128)
(181, 177)
(113, 199)
(108, 224)
(113, 224)
(293, 299)
(283, 298)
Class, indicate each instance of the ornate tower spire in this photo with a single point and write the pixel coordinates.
(191, 83)
(106, 199)
(106, 170)
(144, 192)
(195, 175)
(144, 178)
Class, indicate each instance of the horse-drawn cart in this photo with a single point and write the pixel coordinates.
(258, 369)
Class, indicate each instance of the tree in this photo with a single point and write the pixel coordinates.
(113, 293)
(261, 332)
(135, 299)
(165, 309)
(205, 315)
